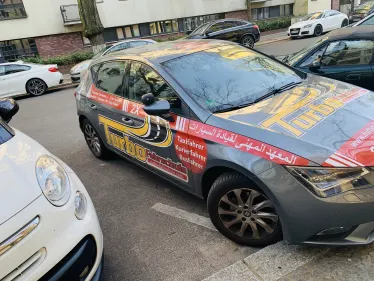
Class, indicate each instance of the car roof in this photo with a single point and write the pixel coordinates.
(361, 32)
(161, 52)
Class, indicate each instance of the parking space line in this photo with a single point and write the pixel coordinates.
(181, 214)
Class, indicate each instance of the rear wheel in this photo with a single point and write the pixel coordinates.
(248, 41)
(318, 30)
(36, 87)
(242, 212)
(345, 23)
(93, 140)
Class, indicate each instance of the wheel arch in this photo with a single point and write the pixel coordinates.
(247, 34)
(81, 119)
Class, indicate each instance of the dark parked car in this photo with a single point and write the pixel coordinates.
(361, 11)
(236, 30)
(272, 149)
(345, 54)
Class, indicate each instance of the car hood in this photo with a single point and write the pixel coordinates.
(321, 120)
(80, 67)
(19, 186)
(301, 24)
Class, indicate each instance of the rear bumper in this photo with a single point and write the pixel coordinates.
(75, 77)
(344, 219)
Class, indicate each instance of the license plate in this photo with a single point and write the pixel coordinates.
(294, 32)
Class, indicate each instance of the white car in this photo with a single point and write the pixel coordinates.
(318, 23)
(49, 229)
(78, 70)
(18, 78)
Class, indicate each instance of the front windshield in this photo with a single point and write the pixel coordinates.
(312, 16)
(229, 76)
(98, 54)
(364, 8)
(200, 30)
(291, 59)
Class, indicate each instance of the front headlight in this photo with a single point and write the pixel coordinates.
(326, 182)
(53, 180)
(307, 26)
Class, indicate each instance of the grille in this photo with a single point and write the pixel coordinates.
(23, 270)
(294, 31)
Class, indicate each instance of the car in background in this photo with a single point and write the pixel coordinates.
(18, 78)
(361, 11)
(368, 20)
(49, 229)
(272, 149)
(345, 54)
(78, 70)
(318, 23)
(235, 30)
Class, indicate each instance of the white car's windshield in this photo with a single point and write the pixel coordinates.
(312, 16)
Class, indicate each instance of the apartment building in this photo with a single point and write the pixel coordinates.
(53, 27)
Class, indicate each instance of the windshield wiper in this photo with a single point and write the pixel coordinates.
(276, 91)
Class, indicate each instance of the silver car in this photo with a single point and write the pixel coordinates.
(78, 69)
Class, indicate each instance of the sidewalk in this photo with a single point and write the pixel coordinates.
(267, 38)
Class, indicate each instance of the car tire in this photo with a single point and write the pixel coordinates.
(293, 38)
(36, 87)
(318, 30)
(252, 222)
(248, 41)
(345, 22)
(94, 142)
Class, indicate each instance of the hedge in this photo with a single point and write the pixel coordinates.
(274, 24)
(61, 60)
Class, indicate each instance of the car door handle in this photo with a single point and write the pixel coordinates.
(128, 121)
(354, 77)
(93, 107)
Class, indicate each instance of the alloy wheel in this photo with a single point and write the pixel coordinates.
(318, 31)
(36, 87)
(248, 42)
(92, 139)
(247, 213)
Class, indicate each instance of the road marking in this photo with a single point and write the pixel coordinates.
(181, 214)
(270, 263)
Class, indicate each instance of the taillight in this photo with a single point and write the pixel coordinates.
(53, 69)
(256, 26)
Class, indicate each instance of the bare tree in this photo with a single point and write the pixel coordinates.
(93, 28)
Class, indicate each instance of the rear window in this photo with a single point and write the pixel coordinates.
(228, 76)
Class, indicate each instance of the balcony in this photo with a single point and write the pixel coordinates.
(70, 14)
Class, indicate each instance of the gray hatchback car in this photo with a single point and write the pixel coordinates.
(274, 151)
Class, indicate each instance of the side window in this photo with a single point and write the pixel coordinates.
(240, 23)
(369, 21)
(2, 70)
(217, 27)
(137, 43)
(230, 24)
(144, 80)
(109, 77)
(14, 68)
(317, 54)
(348, 53)
(328, 14)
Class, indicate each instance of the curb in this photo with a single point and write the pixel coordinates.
(272, 41)
(65, 86)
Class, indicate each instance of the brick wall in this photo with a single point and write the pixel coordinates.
(335, 5)
(243, 14)
(59, 44)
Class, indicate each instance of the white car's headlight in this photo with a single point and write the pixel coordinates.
(307, 26)
(53, 180)
(326, 182)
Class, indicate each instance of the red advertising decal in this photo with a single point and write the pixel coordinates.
(191, 151)
(349, 96)
(245, 144)
(357, 151)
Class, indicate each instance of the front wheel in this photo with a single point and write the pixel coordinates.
(248, 41)
(36, 87)
(242, 212)
(318, 30)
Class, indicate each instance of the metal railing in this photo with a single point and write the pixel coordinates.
(70, 14)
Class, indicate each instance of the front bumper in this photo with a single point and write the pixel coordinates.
(61, 247)
(75, 77)
(344, 219)
(300, 32)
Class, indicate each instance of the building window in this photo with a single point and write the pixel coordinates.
(14, 50)
(120, 34)
(135, 30)
(194, 22)
(162, 27)
(272, 12)
(12, 9)
(128, 32)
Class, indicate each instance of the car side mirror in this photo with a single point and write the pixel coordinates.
(315, 66)
(159, 108)
(8, 108)
(188, 32)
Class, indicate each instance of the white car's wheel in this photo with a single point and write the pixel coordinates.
(36, 87)
(318, 30)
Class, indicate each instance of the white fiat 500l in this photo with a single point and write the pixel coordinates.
(49, 229)
(18, 78)
(318, 23)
